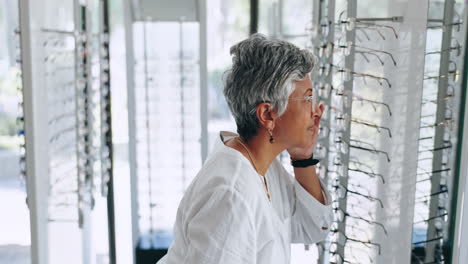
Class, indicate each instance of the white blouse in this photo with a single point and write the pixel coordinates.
(226, 217)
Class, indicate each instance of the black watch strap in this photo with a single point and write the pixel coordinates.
(305, 162)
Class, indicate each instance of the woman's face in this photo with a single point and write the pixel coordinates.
(295, 127)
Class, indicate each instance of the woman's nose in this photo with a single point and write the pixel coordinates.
(317, 110)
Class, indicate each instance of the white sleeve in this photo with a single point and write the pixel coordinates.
(221, 230)
(310, 219)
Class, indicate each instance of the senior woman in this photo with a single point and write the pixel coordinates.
(243, 206)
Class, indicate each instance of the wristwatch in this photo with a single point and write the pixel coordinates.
(305, 162)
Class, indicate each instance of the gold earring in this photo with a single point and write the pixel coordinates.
(272, 140)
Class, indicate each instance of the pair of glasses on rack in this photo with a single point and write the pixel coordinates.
(357, 144)
(442, 216)
(439, 24)
(359, 207)
(354, 252)
(57, 42)
(429, 174)
(326, 49)
(341, 238)
(449, 95)
(448, 122)
(347, 74)
(341, 215)
(362, 24)
(438, 239)
(452, 73)
(445, 145)
(340, 95)
(349, 23)
(342, 119)
(454, 47)
(336, 258)
(342, 192)
(356, 167)
(362, 168)
(442, 194)
(60, 57)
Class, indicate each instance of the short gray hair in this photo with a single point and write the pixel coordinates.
(263, 70)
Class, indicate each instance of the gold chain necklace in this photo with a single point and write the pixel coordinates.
(253, 164)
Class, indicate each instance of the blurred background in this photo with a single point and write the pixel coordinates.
(108, 109)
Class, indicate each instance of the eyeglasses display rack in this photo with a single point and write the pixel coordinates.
(65, 63)
(438, 132)
(389, 134)
(386, 137)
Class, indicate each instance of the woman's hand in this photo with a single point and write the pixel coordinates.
(305, 152)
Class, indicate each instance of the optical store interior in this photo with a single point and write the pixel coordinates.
(109, 109)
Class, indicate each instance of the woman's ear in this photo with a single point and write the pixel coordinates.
(266, 115)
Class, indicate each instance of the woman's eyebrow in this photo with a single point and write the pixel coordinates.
(308, 90)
